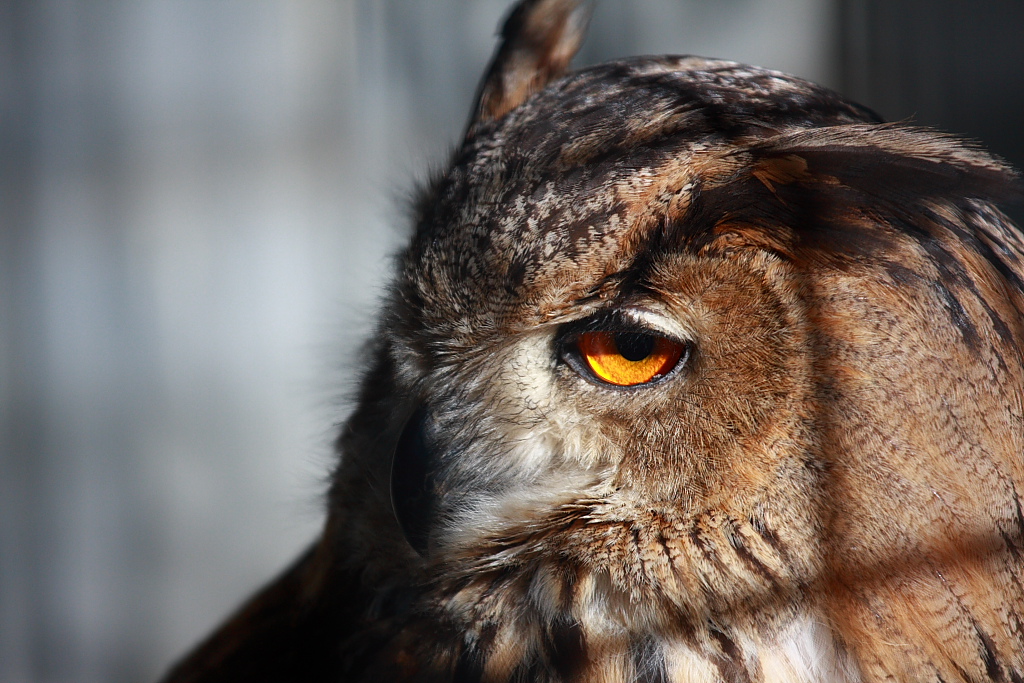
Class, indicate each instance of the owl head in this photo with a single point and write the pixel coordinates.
(692, 370)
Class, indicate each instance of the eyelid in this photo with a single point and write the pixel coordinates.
(654, 322)
(642, 320)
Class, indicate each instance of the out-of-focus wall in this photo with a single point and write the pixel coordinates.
(197, 203)
(949, 64)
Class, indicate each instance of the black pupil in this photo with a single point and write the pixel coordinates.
(634, 346)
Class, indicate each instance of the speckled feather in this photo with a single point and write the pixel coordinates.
(828, 490)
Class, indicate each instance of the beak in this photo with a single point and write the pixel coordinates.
(413, 481)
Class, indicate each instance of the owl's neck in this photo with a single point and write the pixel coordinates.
(596, 597)
(506, 631)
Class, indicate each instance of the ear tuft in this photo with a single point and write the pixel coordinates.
(538, 40)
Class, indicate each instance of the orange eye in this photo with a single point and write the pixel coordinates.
(629, 358)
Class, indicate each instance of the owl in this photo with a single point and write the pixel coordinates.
(692, 371)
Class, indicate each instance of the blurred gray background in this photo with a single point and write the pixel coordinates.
(198, 199)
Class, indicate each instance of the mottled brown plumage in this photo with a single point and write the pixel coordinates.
(825, 486)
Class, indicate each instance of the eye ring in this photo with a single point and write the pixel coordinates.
(624, 356)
